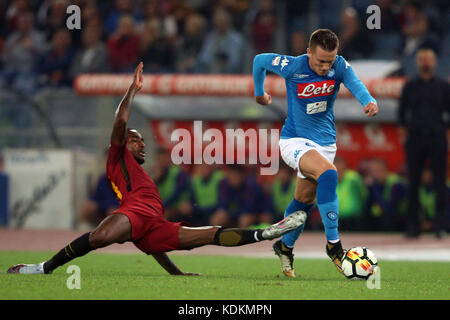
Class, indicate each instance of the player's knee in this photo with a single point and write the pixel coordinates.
(306, 197)
(100, 238)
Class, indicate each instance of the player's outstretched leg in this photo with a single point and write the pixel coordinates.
(113, 229)
(230, 237)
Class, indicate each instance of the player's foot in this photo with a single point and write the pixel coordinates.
(286, 257)
(336, 254)
(27, 268)
(291, 222)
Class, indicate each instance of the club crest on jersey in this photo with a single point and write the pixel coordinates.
(330, 73)
(276, 61)
(315, 89)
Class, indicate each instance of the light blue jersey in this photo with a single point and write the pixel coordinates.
(310, 97)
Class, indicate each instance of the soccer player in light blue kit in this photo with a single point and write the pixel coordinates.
(308, 137)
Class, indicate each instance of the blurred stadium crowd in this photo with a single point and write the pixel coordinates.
(371, 198)
(202, 36)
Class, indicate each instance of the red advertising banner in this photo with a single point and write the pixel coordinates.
(213, 85)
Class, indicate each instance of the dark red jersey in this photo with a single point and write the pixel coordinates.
(130, 182)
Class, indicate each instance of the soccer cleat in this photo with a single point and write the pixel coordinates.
(286, 258)
(27, 268)
(336, 254)
(291, 222)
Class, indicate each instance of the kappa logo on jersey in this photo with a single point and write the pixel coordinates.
(284, 63)
(315, 89)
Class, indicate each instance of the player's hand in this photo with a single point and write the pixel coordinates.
(264, 100)
(138, 79)
(371, 109)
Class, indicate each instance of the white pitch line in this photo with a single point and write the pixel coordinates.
(388, 255)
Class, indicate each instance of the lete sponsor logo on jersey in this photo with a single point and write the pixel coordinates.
(315, 89)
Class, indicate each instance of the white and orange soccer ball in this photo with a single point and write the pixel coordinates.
(359, 263)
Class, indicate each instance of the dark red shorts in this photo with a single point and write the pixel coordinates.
(150, 231)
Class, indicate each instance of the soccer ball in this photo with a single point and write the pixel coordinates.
(359, 263)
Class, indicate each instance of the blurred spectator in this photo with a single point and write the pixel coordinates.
(353, 38)
(415, 28)
(156, 10)
(191, 43)
(352, 194)
(172, 182)
(423, 113)
(21, 51)
(156, 52)
(387, 41)
(223, 48)
(123, 46)
(55, 19)
(102, 202)
(204, 194)
(53, 66)
(14, 11)
(240, 199)
(4, 194)
(264, 27)
(93, 57)
(238, 10)
(123, 8)
(298, 43)
(427, 201)
(387, 200)
(281, 192)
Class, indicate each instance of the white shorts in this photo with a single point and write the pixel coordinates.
(293, 149)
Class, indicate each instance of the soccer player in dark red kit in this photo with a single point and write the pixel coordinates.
(140, 216)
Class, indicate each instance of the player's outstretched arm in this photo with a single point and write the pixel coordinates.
(358, 89)
(123, 111)
(272, 62)
(165, 262)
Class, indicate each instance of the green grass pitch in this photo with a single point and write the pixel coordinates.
(137, 276)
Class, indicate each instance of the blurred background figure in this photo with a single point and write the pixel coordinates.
(280, 193)
(240, 199)
(223, 47)
(93, 56)
(123, 8)
(173, 184)
(123, 46)
(354, 42)
(21, 52)
(53, 66)
(203, 195)
(387, 198)
(298, 43)
(423, 113)
(102, 201)
(191, 43)
(264, 27)
(155, 50)
(352, 194)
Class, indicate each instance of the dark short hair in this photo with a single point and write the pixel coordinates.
(325, 38)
